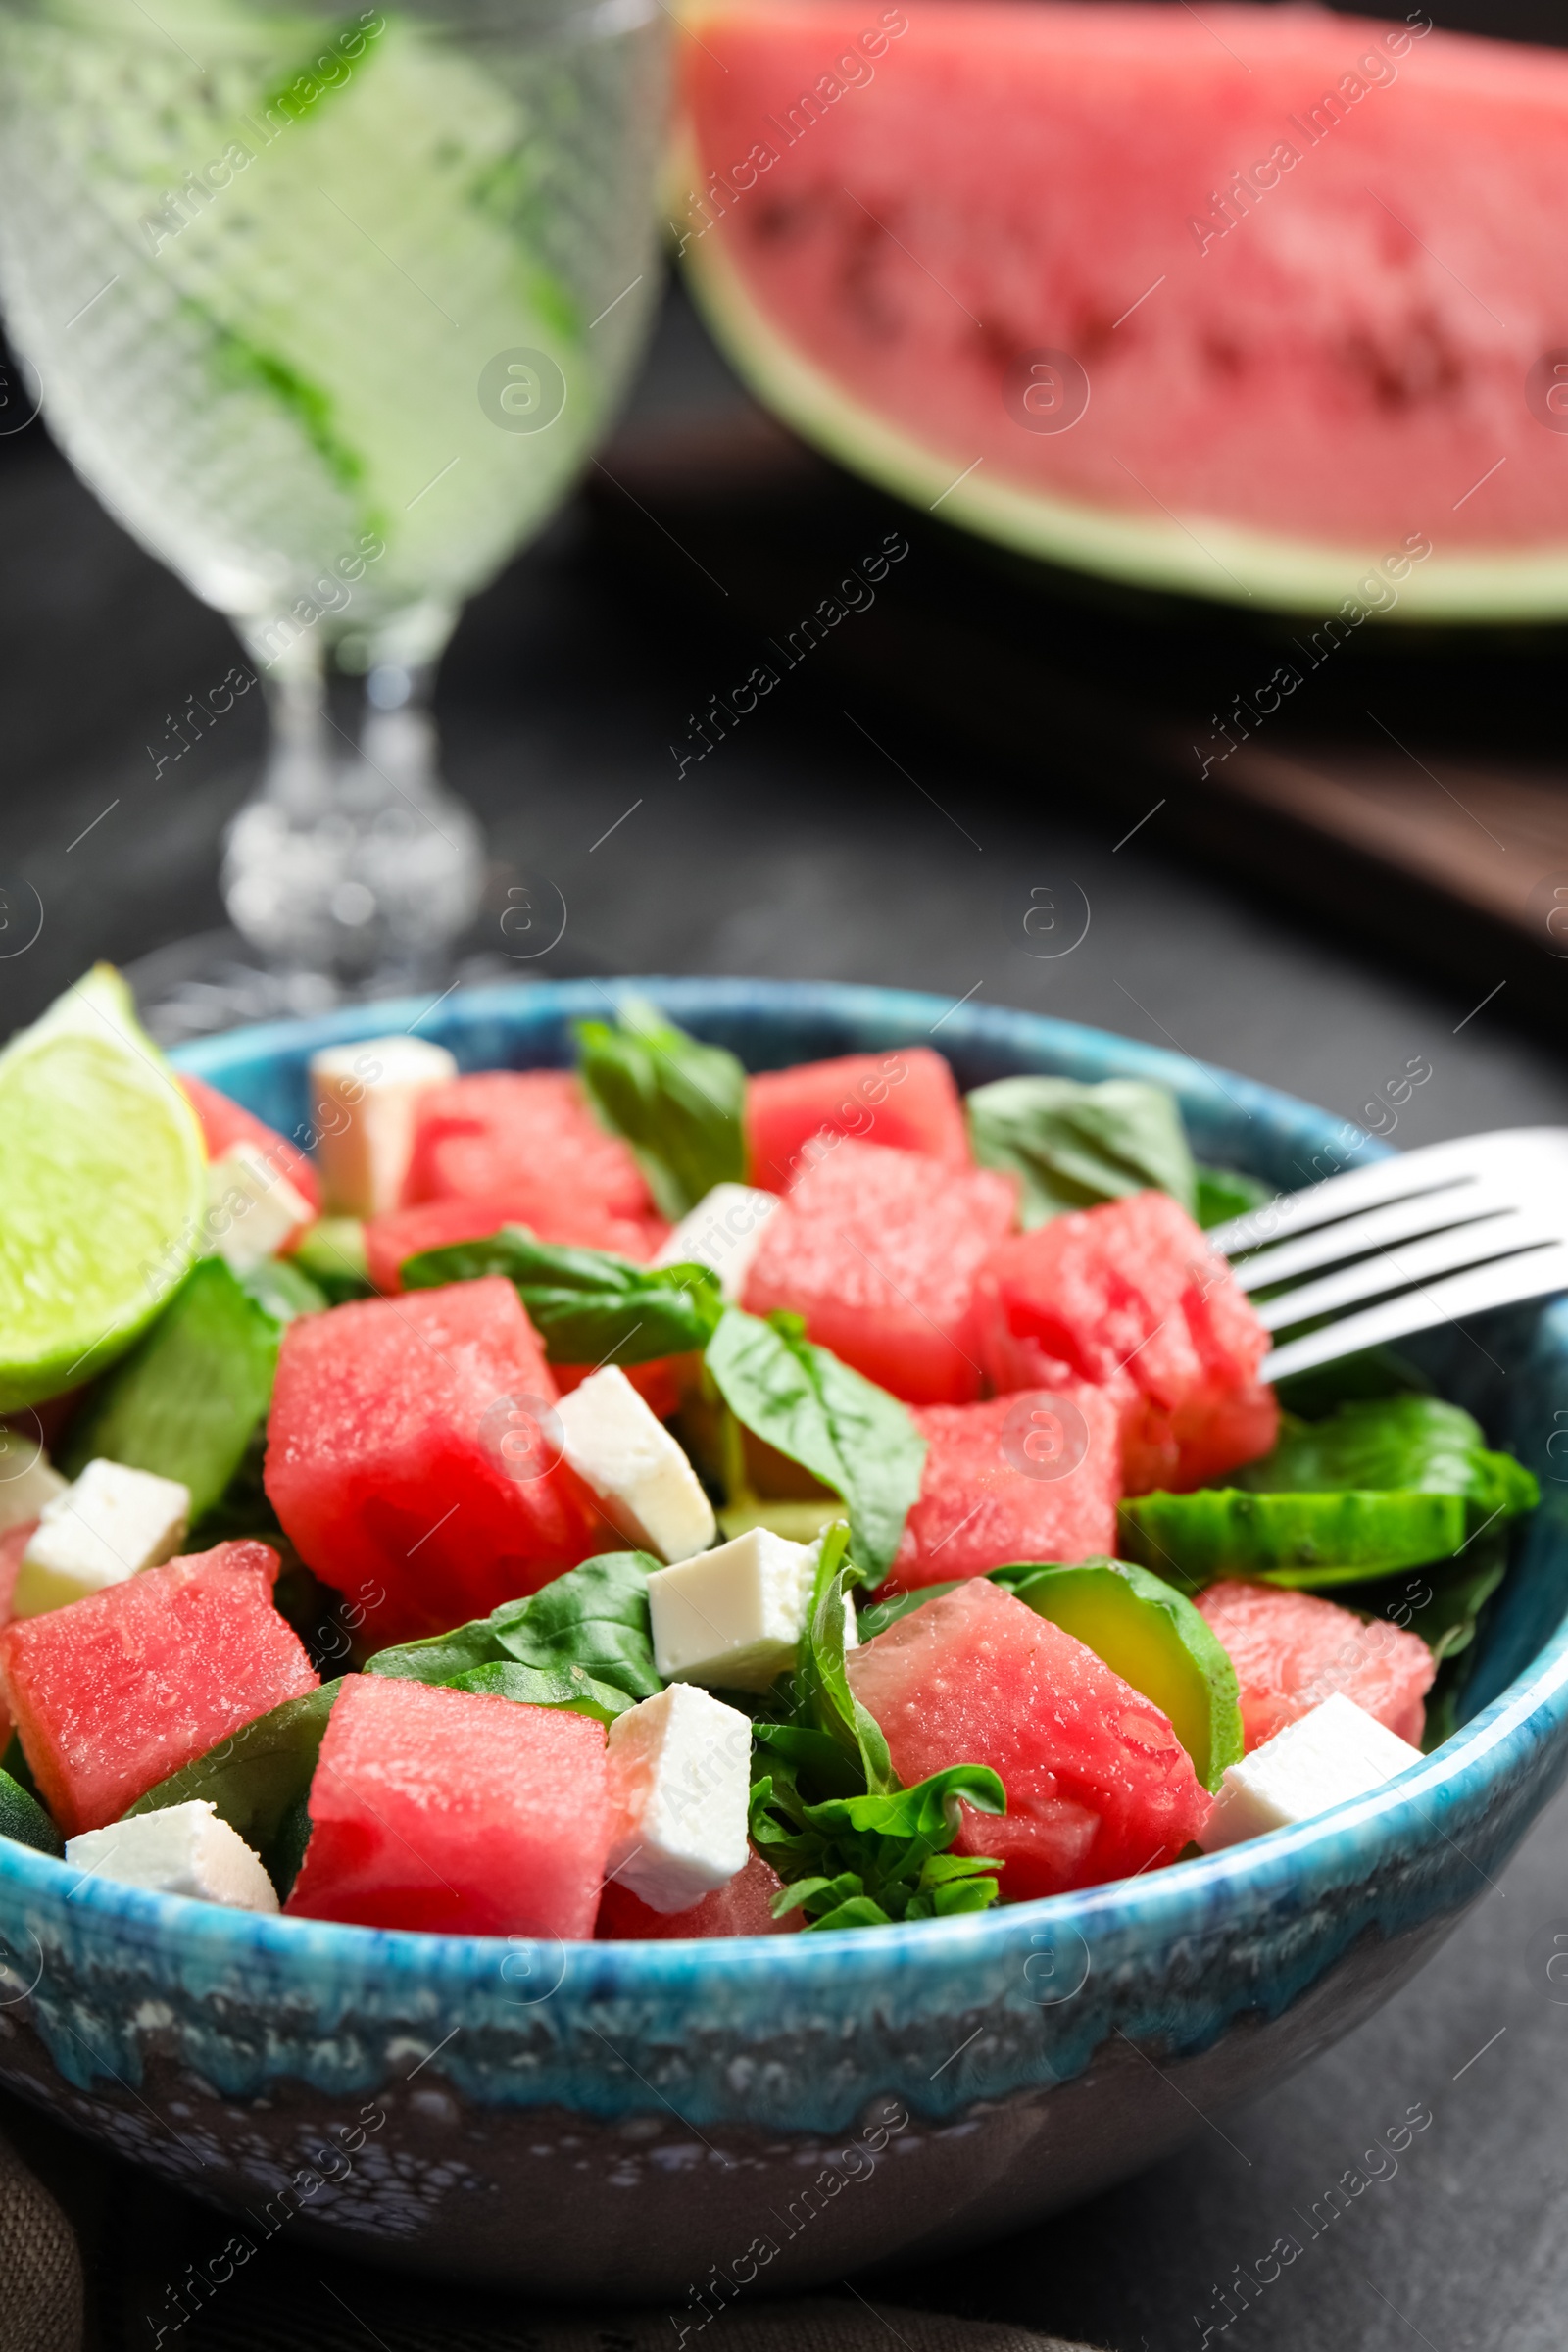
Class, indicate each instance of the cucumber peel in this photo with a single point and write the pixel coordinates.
(1150, 1635)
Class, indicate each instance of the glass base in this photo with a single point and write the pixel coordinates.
(195, 987)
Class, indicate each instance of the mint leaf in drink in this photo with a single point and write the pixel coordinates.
(678, 1104)
(588, 1305)
(834, 1422)
(583, 1641)
(1073, 1146)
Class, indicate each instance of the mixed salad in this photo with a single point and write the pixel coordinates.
(649, 1500)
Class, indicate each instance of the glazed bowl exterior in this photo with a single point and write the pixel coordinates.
(683, 2121)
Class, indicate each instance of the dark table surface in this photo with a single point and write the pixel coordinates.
(806, 847)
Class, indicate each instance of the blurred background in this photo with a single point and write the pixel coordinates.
(983, 785)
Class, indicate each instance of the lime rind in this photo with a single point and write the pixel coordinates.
(102, 1190)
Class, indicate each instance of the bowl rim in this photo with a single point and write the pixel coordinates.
(1288, 1866)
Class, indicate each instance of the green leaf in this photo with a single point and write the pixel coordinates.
(1225, 1193)
(679, 1104)
(255, 1777)
(819, 1686)
(1421, 1445)
(874, 1621)
(1072, 1146)
(24, 1819)
(867, 1861)
(587, 1306)
(582, 1642)
(843, 1428)
(188, 1399)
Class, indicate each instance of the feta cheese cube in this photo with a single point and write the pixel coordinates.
(1336, 1752)
(724, 1231)
(185, 1849)
(252, 1207)
(679, 1782)
(112, 1522)
(28, 1481)
(365, 1100)
(733, 1616)
(618, 1446)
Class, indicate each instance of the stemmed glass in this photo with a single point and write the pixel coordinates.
(329, 309)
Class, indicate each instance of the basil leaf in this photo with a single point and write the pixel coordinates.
(867, 1861)
(255, 1777)
(819, 1686)
(843, 1428)
(679, 1104)
(582, 1642)
(586, 1304)
(24, 1820)
(1073, 1146)
(1419, 1444)
(1225, 1193)
(876, 1620)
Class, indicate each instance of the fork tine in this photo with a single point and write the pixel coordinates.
(1392, 1179)
(1373, 1229)
(1442, 1253)
(1508, 1283)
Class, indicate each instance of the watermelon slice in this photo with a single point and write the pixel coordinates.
(981, 1504)
(1291, 1650)
(1131, 1297)
(224, 1124)
(392, 1451)
(116, 1691)
(744, 1907)
(456, 1812)
(879, 1252)
(1098, 1786)
(907, 1099)
(526, 1139)
(957, 245)
(13, 1544)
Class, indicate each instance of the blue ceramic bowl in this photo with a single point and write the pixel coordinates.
(678, 2120)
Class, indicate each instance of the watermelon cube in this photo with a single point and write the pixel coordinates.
(1098, 1786)
(744, 1907)
(116, 1691)
(13, 1544)
(528, 1139)
(906, 1098)
(226, 1123)
(1031, 1476)
(406, 1460)
(879, 1252)
(404, 1233)
(1131, 1297)
(1291, 1650)
(456, 1811)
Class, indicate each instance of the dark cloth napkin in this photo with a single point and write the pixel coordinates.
(321, 2303)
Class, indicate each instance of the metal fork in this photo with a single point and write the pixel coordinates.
(1419, 1239)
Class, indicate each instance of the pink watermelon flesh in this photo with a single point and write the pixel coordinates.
(1098, 1786)
(906, 1098)
(13, 1544)
(1257, 209)
(980, 1504)
(456, 1812)
(1130, 1296)
(742, 1908)
(528, 1139)
(391, 1453)
(1291, 1650)
(114, 1693)
(226, 1123)
(879, 1252)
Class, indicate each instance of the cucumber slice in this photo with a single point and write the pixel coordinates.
(188, 1399)
(331, 1254)
(1306, 1540)
(1150, 1635)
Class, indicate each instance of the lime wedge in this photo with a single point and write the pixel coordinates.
(102, 1189)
